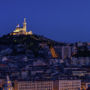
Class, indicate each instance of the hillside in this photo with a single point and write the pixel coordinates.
(23, 43)
(28, 54)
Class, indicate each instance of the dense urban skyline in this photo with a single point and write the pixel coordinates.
(61, 20)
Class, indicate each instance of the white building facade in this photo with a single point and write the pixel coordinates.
(69, 84)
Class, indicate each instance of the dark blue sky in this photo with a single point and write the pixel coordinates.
(61, 20)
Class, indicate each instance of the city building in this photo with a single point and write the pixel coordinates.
(74, 50)
(79, 73)
(69, 84)
(21, 31)
(33, 85)
(1, 84)
(66, 52)
(85, 85)
(48, 85)
(80, 61)
(58, 49)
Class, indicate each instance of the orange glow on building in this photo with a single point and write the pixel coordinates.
(53, 52)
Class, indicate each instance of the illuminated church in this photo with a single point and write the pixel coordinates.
(21, 31)
(8, 84)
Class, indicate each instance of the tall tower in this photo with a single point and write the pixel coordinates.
(8, 84)
(24, 25)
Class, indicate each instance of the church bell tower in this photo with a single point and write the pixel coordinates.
(24, 25)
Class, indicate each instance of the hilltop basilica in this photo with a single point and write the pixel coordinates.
(21, 31)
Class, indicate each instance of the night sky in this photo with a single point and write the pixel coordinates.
(60, 20)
